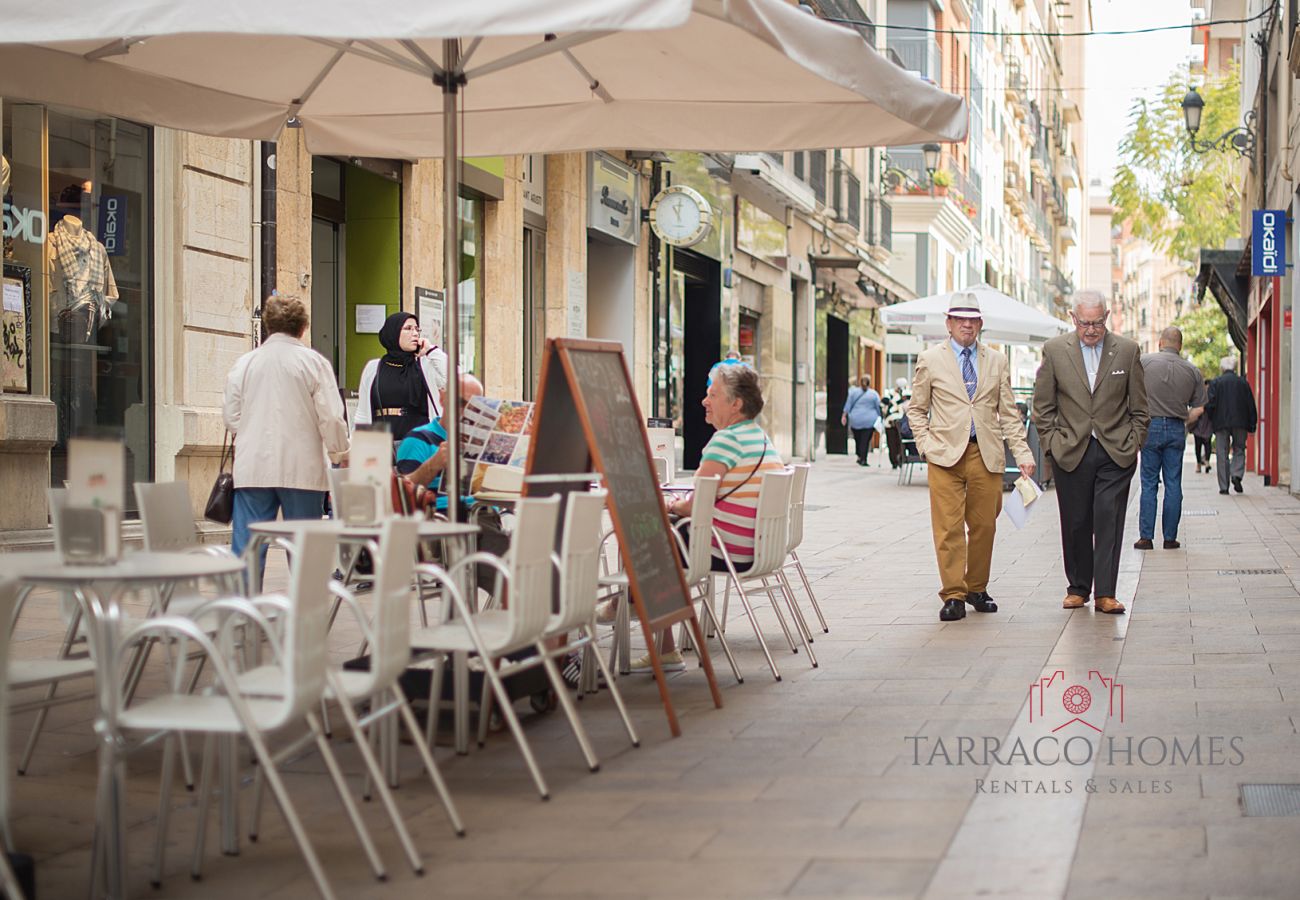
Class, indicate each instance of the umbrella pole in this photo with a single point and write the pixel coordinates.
(451, 268)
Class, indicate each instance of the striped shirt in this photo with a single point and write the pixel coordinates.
(744, 449)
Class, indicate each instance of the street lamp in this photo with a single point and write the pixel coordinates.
(931, 154)
(1240, 139)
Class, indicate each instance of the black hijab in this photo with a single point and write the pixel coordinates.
(400, 380)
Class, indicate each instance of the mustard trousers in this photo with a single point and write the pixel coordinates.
(965, 500)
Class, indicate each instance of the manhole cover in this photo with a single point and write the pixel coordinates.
(1270, 799)
(1201, 512)
(1250, 572)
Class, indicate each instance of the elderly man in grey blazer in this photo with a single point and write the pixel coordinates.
(1090, 407)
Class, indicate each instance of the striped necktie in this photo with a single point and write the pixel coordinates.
(968, 376)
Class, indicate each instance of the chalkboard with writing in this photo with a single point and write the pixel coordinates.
(587, 413)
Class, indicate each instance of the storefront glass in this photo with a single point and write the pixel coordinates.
(78, 222)
(471, 284)
(534, 308)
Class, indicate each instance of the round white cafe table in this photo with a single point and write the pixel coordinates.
(97, 588)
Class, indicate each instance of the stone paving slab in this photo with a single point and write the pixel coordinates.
(827, 783)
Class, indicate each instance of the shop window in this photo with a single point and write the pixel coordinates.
(534, 308)
(77, 217)
(471, 284)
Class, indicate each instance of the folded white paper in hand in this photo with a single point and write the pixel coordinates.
(1020, 504)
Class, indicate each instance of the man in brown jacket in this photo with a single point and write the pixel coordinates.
(1090, 407)
(961, 411)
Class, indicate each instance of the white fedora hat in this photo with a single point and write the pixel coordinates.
(964, 305)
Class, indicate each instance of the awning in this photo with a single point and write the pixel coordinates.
(1221, 273)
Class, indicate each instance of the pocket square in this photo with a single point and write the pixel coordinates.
(1119, 372)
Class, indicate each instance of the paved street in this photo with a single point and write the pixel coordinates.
(891, 770)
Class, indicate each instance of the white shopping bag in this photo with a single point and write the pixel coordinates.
(1020, 504)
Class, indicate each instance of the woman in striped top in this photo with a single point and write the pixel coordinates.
(740, 452)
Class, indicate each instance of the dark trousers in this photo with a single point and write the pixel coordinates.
(1204, 448)
(862, 443)
(1092, 500)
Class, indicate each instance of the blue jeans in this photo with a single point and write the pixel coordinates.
(261, 505)
(1162, 455)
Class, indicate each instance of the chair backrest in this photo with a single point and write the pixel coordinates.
(699, 539)
(580, 557)
(58, 498)
(772, 524)
(165, 515)
(798, 490)
(661, 469)
(305, 645)
(390, 654)
(531, 571)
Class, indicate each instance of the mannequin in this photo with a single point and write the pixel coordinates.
(82, 292)
(83, 289)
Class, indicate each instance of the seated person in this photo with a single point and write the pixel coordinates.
(422, 454)
(740, 452)
(421, 459)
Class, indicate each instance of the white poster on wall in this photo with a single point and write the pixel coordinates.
(370, 317)
(576, 305)
(428, 309)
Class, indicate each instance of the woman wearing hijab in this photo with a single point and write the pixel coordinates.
(402, 386)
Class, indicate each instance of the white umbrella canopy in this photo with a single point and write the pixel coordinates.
(541, 76)
(1006, 320)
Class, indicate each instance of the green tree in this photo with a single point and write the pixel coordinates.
(1205, 337)
(1179, 200)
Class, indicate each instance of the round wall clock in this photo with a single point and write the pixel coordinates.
(680, 216)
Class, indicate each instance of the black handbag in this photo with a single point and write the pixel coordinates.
(221, 501)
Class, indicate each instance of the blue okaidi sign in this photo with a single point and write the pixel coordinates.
(112, 223)
(1268, 242)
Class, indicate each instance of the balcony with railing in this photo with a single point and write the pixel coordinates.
(1014, 191)
(1041, 231)
(880, 224)
(919, 53)
(846, 195)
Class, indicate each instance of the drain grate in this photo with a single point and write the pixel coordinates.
(1270, 799)
(1249, 572)
(1200, 512)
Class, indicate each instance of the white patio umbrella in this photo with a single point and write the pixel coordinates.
(1006, 320)
(523, 76)
(391, 79)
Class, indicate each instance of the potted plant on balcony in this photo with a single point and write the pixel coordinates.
(942, 180)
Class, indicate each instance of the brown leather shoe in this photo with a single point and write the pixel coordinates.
(1110, 605)
(1074, 601)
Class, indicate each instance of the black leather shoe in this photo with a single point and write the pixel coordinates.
(1223, 492)
(982, 602)
(1143, 544)
(1236, 485)
(1172, 545)
(952, 611)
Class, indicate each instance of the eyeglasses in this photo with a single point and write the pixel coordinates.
(1100, 323)
(411, 326)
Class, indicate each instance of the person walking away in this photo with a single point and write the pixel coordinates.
(402, 387)
(861, 410)
(282, 405)
(1203, 435)
(1234, 414)
(1090, 407)
(1175, 397)
(961, 412)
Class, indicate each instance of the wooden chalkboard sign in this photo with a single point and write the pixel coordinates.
(587, 414)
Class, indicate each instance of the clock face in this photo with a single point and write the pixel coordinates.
(680, 216)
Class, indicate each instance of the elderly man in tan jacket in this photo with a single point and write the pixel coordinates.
(962, 409)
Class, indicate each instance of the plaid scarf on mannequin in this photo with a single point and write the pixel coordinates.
(83, 264)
